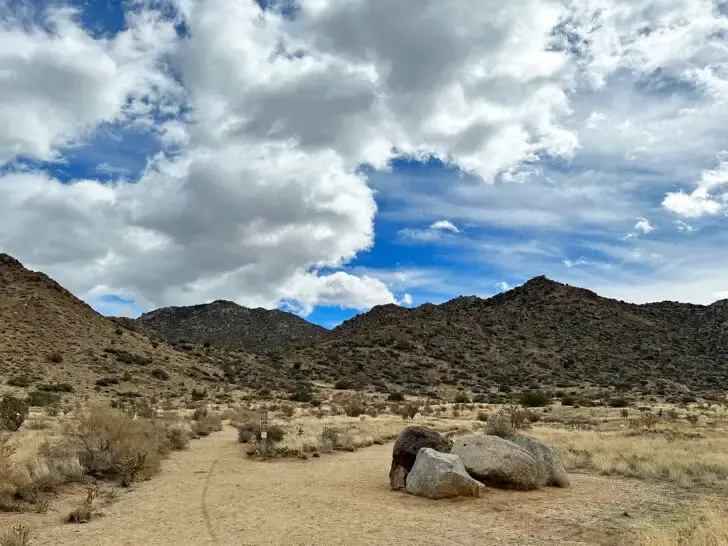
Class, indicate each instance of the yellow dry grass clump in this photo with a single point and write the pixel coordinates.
(707, 528)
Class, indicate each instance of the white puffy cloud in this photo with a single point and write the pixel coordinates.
(702, 200)
(263, 121)
(58, 85)
(406, 299)
(643, 225)
(445, 225)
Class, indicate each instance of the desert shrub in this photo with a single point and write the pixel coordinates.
(159, 373)
(624, 412)
(692, 418)
(56, 357)
(482, 416)
(568, 400)
(288, 411)
(20, 381)
(353, 409)
(331, 437)
(17, 536)
(56, 387)
(534, 399)
(107, 381)
(85, 511)
(618, 402)
(111, 444)
(510, 419)
(301, 396)
(207, 424)
(462, 398)
(13, 411)
(198, 395)
(372, 411)
(344, 384)
(672, 414)
(42, 399)
(409, 411)
(395, 396)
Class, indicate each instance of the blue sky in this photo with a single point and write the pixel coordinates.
(325, 158)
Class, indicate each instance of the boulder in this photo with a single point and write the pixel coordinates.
(552, 469)
(438, 475)
(407, 446)
(497, 462)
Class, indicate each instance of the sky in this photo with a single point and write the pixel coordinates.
(324, 157)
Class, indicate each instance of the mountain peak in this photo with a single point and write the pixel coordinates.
(7, 259)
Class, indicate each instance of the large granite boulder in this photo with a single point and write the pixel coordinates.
(407, 446)
(552, 469)
(438, 475)
(497, 462)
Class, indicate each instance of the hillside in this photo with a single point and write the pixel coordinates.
(229, 325)
(541, 334)
(52, 341)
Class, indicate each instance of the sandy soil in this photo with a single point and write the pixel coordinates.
(212, 494)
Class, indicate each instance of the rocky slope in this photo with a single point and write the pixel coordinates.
(227, 324)
(52, 341)
(541, 334)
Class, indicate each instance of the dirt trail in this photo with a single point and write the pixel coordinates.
(211, 494)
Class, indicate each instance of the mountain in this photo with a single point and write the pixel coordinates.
(541, 334)
(227, 324)
(52, 341)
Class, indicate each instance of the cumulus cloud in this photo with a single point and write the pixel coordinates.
(406, 300)
(255, 193)
(703, 200)
(445, 225)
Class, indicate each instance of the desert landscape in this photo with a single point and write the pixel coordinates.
(99, 447)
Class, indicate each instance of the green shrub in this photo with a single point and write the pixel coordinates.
(111, 444)
(344, 384)
(568, 400)
(20, 381)
(534, 399)
(462, 398)
(13, 412)
(56, 357)
(56, 387)
(618, 402)
(395, 396)
(353, 409)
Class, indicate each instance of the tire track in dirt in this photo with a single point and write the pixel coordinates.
(205, 513)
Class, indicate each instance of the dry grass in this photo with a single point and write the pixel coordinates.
(673, 455)
(305, 434)
(709, 528)
(17, 536)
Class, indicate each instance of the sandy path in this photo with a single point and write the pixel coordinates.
(211, 494)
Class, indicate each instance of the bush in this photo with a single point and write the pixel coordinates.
(409, 411)
(301, 396)
(111, 444)
(56, 387)
(535, 399)
(206, 424)
(353, 409)
(510, 419)
(42, 399)
(692, 418)
(13, 411)
(462, 398)
(107, 381)
(159, 373)
(618, 403)
(56, 357)
(483, 416)
(568, 400)
(288, 411)
(395, 396)
(344, 384)
(178, 436)
(20, 381)
(17, 536)
(332, 437)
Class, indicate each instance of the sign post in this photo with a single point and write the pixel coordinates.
(264, 433)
